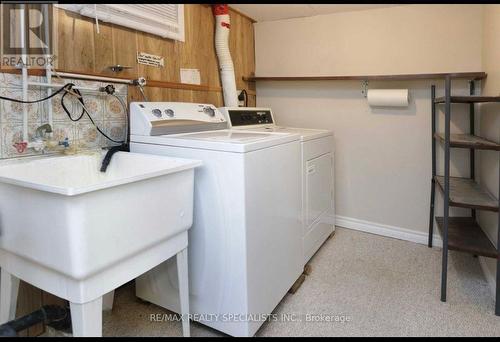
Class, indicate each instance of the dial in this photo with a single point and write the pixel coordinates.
(156, 112)
(209, 111)
(169, 112)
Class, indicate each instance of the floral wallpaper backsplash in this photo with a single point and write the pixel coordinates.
(107, 112)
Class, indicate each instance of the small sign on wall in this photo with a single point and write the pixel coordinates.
(151, 60)
(190, 76)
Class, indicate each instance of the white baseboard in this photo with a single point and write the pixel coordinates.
(386, 230)
(490, 277)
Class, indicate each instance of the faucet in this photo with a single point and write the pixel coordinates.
(38, 144)
(40, 131)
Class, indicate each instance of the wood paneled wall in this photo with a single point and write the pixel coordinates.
(82, 49)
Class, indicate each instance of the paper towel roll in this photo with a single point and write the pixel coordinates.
(388, 97)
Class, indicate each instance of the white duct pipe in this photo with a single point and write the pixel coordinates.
(226, 67)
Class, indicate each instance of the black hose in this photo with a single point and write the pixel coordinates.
(243, 96)
(110, 153)
(80, 99)
(53, 315)
(84, 111)
(67, 88)
(64, 88)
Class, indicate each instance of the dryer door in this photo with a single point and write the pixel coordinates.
(319, 186)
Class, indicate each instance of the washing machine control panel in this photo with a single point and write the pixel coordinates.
(160, 118)
(248, 116)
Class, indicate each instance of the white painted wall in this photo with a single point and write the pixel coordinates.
(401, 39)
(490, 122)
(383, 156)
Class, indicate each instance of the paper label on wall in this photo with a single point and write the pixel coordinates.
(190, 76)
(151, 60)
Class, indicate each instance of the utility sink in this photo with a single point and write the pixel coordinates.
(62, 213)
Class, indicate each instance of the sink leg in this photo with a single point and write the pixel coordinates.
(9, 287)
(182, 274)
(107, 301)
(86, 318)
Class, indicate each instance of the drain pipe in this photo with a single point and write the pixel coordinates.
(226, 67)
(24, 72)
(48, 67)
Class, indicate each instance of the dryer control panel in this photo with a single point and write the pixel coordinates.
(243, 117)
(160, 118)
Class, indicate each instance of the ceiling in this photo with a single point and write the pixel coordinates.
(269, 12)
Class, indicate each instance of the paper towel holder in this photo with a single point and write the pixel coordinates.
(364, 88)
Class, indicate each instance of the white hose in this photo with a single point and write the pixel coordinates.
(226, 66)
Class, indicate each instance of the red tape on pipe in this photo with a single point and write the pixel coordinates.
(220, 9)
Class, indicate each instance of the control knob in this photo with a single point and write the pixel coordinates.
(209, 111)
(169, 112)
(156, 112)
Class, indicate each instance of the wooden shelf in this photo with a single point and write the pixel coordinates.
(468, 75)
(465, 235)
(469, 141)
(466, 193)
(469, 99)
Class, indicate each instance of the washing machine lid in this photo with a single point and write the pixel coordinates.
(238, 137)
(305, 133)
(220, 140)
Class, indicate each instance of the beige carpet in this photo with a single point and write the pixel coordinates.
(382, 286)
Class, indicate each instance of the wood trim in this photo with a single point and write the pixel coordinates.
(41, 72)
(149, 83)
(471, 75)
(31, 72)
(242, 14)
(178, 85)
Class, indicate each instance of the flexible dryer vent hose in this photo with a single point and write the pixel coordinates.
(226, 67)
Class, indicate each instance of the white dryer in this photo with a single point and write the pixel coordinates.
(317, 158)
(246, 224)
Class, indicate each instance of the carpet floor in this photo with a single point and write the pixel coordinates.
(360, 285)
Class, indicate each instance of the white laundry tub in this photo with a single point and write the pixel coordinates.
(62, 213)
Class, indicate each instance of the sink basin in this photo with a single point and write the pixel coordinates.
(62, 213)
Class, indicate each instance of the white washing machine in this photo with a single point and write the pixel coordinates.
(246, 234)
(317, 158)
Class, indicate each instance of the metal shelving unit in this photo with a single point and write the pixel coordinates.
(462, 233)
